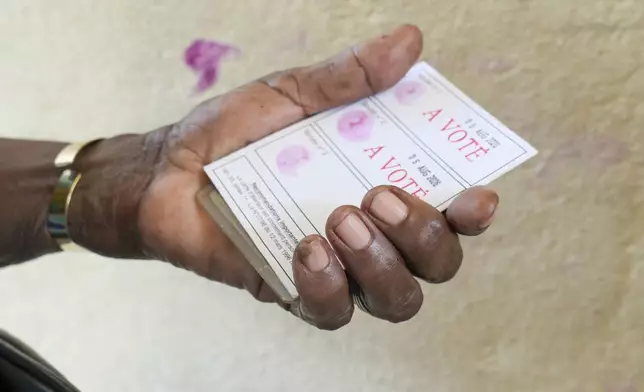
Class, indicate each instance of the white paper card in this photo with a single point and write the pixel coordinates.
(423, 135)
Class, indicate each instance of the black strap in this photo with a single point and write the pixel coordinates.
(22, 370)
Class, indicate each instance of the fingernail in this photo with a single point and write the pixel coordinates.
(354, 232)
(388, 208)
(314, 257)
(490, 218)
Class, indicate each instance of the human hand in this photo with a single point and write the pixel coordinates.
(137, 196)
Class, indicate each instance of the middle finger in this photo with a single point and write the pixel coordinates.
(419, 231)
(388, 288)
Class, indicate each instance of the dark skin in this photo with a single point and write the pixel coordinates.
(137, 196)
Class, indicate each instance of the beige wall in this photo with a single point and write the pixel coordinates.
(552, 299)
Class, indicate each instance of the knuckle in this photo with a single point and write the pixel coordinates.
(288, 85)
(368, 78)
(445, 268)
(323, 95)
(406, 306)
(292, 79)
(336, 320)
(325, 311)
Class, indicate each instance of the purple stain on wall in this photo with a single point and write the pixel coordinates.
(204, 58)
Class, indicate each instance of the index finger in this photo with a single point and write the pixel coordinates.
(285, 97)
(275, 101)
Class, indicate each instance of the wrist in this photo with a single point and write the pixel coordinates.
(103, 215)
(28, 176)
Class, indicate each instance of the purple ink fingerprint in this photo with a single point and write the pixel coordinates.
(292, 158)
(204, 57)
(409, 91)
(356, 125)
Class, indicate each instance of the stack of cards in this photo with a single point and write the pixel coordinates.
(423, 135)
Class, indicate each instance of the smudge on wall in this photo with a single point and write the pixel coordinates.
(594, 153)
(204, 58)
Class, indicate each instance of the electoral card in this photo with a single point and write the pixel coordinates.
(423, 135)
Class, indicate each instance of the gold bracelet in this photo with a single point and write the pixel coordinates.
(57, 217)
